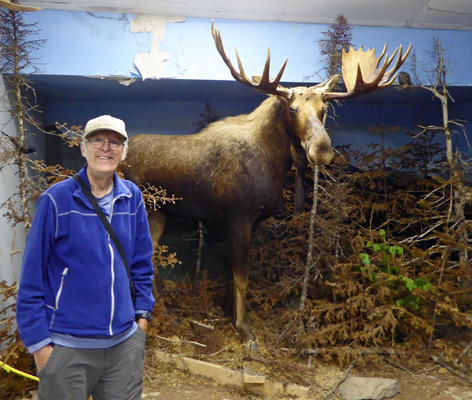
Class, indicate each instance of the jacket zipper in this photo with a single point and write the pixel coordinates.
(58, 296)
(112, 311)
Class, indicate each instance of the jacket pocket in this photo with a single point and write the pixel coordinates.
(48, 362)
(58, 295)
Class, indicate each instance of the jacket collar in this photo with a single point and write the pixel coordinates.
(120, 189)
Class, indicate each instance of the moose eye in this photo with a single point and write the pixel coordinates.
(292, 110)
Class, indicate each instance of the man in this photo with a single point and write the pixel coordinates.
(75, 311)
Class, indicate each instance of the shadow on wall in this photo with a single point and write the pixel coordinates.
(182, 237)
(59, 153)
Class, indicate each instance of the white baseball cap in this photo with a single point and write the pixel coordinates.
(105, 123)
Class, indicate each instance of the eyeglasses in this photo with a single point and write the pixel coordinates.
(99, 142)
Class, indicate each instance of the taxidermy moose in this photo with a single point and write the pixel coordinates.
(232, 172)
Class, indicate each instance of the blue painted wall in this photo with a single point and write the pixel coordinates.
(101, 44)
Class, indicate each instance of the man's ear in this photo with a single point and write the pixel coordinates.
(125, 153)
(82, 148)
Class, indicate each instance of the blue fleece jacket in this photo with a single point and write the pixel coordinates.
(73, 278)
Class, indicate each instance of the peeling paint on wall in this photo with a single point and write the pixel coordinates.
(122, 80)
(182, 62)
(126, 82)
(151, 65)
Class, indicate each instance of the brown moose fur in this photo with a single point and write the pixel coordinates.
(233, 171)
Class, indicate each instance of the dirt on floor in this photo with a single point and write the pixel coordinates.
(431, 383)
(165, 382)
(420, 377)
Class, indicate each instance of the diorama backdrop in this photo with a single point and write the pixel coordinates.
(158, 73)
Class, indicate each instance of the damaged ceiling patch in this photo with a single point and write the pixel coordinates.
(151, 65)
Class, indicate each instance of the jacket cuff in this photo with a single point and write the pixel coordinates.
(37, 346)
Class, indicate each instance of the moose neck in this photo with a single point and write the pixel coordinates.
(270, 118)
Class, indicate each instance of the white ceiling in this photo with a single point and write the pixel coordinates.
(430, 14)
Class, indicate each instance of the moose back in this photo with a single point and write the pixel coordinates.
(233, 171)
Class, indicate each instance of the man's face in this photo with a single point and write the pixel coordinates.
(104, 150)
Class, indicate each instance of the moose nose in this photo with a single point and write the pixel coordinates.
(327, 156)
(320, 151)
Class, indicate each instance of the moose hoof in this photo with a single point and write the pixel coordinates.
(251, 345)
(246, 334)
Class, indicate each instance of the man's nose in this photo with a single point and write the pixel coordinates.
(106, 144)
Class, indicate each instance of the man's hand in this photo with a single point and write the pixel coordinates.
(143, 324)
(41, 356)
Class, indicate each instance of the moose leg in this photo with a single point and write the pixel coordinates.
(157, 222)
(299, 190)
(239, 238)
(301, 162)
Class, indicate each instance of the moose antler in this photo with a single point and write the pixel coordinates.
(262, 84)
(362, 75)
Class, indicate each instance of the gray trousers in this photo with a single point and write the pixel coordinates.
(106, 374)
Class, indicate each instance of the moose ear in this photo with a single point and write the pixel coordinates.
(326, 86)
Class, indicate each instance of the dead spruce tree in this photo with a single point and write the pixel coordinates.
(18, 40)
(208, 116)
(457, 193)
(336, 39)
(447, 229)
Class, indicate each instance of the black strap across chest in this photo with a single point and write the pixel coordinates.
(109, 229)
